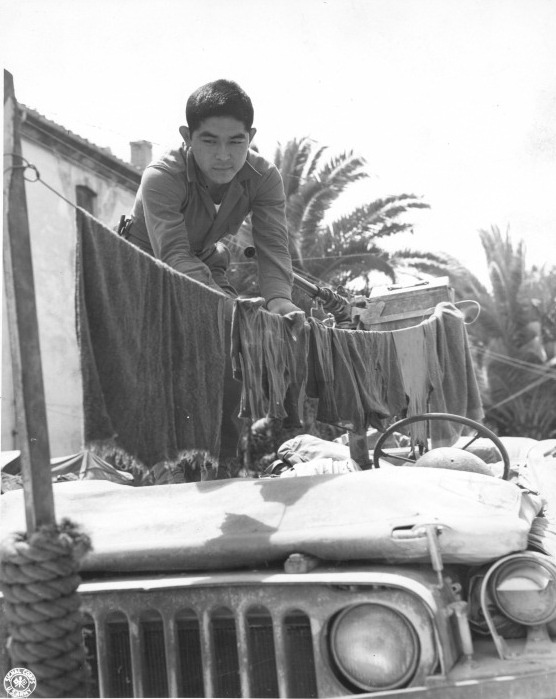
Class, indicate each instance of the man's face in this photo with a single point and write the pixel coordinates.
(220, 146)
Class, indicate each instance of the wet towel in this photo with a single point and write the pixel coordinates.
(152, 353)
(269, 356)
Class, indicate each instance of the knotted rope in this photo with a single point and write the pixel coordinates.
(39, 582)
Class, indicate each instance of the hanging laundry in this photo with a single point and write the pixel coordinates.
(388, 377)
(411, 350)
(152, 354)
(459, 393)
(269, 357)
(376, 371)
(365, 377)
(438, 373)
(355, 375)
(320, 368)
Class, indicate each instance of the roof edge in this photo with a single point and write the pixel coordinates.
(33, 120)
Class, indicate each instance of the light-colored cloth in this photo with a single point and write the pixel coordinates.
(175, 218)
(309, 448)
(152, 353)
(321, 467)
(438, 373)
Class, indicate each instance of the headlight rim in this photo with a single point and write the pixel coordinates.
(501, 571)
(348, 678)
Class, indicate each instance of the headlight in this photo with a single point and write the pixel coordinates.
(524, 589)
(374, 647)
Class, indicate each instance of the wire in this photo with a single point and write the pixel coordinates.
(29, 166)
(539, 369)
(515, 395)
(314, 259)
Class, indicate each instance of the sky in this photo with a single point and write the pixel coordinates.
(450, 100)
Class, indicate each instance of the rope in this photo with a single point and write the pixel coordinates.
(39, 581)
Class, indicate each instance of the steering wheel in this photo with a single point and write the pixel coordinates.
(481, 430)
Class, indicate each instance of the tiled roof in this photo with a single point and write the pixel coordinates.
(103, 155)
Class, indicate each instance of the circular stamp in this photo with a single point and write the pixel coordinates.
(20, 682)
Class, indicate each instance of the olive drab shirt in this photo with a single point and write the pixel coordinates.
(175, 218)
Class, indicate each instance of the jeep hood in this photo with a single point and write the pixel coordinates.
(367, 516)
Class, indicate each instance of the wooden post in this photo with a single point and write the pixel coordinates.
(19, 288)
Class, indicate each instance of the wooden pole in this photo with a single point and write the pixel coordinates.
(19, 288)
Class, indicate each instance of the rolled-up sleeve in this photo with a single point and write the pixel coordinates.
(270, 237)
(163, 201)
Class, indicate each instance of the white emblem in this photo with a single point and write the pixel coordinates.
(20, 682)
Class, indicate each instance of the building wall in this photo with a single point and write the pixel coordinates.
(53, 242)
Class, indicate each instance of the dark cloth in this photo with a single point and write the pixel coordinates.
(388, 377)
(346, 388)
(355, 375)
(363, 351)
(231, 423)
(459, 392)
(152, 353)
(320, 372)
(174, 218)
(269, 357)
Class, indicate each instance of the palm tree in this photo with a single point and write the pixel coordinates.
(345, 249)
(511, 336)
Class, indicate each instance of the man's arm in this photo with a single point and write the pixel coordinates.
(270, 238)
(281, 306)
(163, 198)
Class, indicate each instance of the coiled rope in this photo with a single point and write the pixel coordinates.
(39, 581)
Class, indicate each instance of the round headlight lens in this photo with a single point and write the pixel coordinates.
(524, 589)
(374, 647)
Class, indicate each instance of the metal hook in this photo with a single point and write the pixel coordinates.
(26, 166)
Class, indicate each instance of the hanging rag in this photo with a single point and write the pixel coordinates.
(152, 354)
(460, 393)
(438, 373)
(355, 375)
(364, 377)
(269, 357)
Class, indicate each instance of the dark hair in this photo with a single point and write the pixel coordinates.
(219, 98)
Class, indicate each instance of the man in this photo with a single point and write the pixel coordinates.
(191, 197)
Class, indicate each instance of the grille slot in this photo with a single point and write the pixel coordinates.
(190, 662)
(299, 656)
(155, 681)
(88, 628)
(224, 639)
(119, 656)
(262, 654)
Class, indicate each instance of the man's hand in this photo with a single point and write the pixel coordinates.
(282, 307)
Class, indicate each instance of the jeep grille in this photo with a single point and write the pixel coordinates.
(236, 635)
